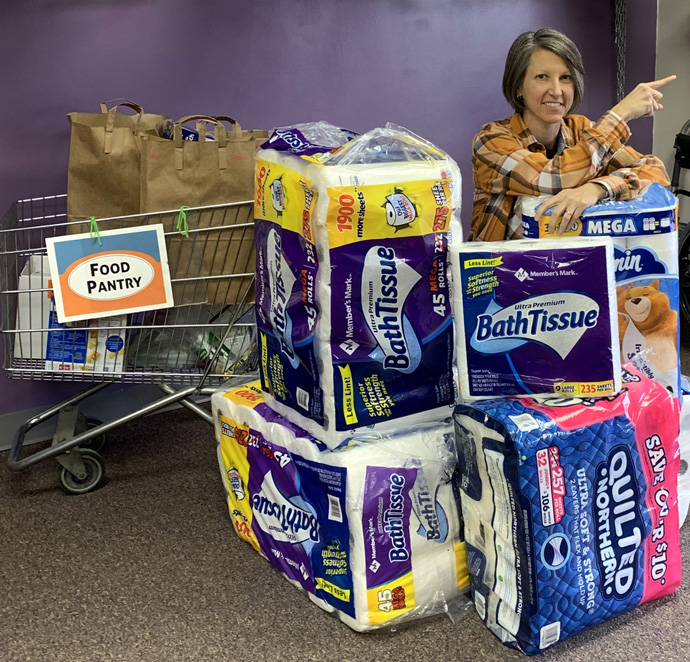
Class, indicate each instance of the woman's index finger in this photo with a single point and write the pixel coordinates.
(656, 84)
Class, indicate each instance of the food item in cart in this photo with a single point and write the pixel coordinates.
(570, 508)
(96, 345)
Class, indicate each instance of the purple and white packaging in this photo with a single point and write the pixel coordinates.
(353, 305)
(645, 244)
(370, 531)
(536, 317)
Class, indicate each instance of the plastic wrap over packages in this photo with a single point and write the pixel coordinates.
(352, 299)
(570, 508)
(535, 317)
(645, 243)
(314, 141)
(684, 443)
(370, 531)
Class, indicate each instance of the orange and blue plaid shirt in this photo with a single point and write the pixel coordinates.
(508, 161)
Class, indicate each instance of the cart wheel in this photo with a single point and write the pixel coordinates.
(95, 471)
(97, 443)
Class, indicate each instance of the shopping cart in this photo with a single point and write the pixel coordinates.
(206, 339)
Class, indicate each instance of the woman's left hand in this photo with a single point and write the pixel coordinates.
(569, 204)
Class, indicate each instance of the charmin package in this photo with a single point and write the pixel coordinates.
(570, 508)
(535, 317)
(645, 244)
(353, 307)
(96, 345)
(370, 531)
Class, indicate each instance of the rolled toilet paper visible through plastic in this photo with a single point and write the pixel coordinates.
(371, 531)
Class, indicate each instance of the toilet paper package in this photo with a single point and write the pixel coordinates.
(645, 241)
(535, 317)
(370, 531)
(353, 302)
(570, 508)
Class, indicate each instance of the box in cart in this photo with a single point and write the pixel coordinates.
(96, 345)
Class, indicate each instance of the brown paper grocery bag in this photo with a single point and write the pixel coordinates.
(104, 170)
(178, 173)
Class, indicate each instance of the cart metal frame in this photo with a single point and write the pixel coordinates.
(187, 350)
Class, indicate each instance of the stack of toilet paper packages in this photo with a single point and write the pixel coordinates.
(370, 531)
(570, 508)
(645, 241)
(352, 292)
(535, 317)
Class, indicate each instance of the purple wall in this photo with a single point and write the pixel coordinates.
(640, 63)
(434, 66)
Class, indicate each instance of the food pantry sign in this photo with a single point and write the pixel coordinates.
(126, 272)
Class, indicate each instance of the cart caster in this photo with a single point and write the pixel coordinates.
(95, 444)
(94, 474)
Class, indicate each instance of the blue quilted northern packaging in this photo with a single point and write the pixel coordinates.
(570, 508)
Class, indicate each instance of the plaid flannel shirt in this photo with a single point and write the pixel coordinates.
(508, 161)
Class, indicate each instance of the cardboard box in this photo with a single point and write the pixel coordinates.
(96, 345)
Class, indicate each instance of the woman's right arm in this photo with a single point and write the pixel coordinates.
(502, 165)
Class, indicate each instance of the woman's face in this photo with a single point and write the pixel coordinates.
(548, 89)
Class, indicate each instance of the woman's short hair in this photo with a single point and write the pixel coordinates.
(519, 56)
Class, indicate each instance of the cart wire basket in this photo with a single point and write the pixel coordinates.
(206, 339)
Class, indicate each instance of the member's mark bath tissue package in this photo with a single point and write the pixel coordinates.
(645, 240)
(371, 531)
(570, 508)
(353, 305)
(535, 317)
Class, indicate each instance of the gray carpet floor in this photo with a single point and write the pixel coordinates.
(148, 567)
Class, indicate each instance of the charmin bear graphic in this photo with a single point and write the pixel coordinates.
(646, 321)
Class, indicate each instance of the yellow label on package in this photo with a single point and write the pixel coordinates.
(335, 591)
(233, 454)
(348, 395)
(380, 211)
(585, 388)
(461, 573)
(391, 600)
(488, 262)
(264, 359)
(284, 197)
(544, 221)
(249, 395)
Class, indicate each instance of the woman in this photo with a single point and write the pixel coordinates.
(545, 150)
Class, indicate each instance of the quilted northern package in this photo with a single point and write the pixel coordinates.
(570, 508)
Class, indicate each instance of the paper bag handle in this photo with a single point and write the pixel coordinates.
(220, 136)
(110, 122)
(236, 128)
(121, 102)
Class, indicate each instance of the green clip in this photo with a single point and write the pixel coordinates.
(95, 233)
(182, 226)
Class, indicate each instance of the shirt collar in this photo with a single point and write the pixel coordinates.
(518, 127)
